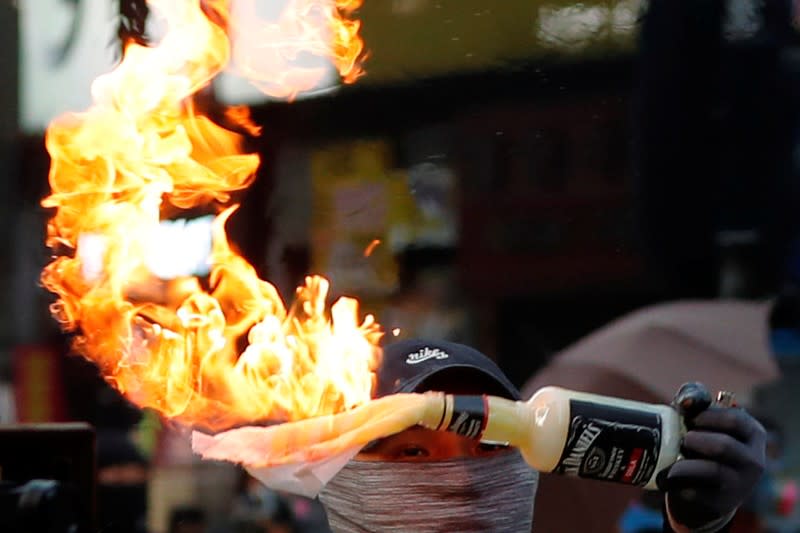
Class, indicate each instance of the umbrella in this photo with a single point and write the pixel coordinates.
(646, 356)
(724, 344)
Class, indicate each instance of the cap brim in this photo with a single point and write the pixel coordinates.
(503, 386)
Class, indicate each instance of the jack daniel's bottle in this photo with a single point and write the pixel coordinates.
(574, 433)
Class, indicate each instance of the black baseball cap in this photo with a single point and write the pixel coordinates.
(420, 365)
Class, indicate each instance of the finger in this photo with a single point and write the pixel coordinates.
(697, 474)
(701, 508)
(718, 447)
(737, 423)
(691, 400)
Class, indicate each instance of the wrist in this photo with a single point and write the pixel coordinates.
(710, 527)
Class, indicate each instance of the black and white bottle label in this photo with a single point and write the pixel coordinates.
(611, 443)
(469, 416)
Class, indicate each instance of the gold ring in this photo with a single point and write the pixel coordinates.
(726, 399)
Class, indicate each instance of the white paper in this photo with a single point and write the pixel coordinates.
(304, 478)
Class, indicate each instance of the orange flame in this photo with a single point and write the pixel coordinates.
(213, 351)
(371, 247)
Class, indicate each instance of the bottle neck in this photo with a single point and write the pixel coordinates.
(484, 418)
(464, 415)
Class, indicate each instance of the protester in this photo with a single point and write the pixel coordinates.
(420, 480)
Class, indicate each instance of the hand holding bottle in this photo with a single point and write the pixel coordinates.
(723, 459)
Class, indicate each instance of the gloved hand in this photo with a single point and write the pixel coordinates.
(724, 457)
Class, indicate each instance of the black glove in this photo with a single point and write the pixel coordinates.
(724, 455)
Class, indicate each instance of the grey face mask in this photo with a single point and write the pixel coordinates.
(468, 495)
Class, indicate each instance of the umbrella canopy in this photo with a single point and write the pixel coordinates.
(724, 344)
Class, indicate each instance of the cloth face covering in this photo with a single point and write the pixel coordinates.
(468, 495)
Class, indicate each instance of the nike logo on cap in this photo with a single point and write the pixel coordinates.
(424, 354)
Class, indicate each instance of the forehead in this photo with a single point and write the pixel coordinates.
(419, 435)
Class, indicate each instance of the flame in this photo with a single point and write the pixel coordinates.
(212, 350)
(371, 247)
(265, 52)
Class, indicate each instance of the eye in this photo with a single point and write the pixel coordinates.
(485, 447)
(414, 451)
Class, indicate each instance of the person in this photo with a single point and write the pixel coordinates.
(425, 481)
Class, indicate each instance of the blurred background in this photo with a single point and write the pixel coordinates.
(534, 171)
